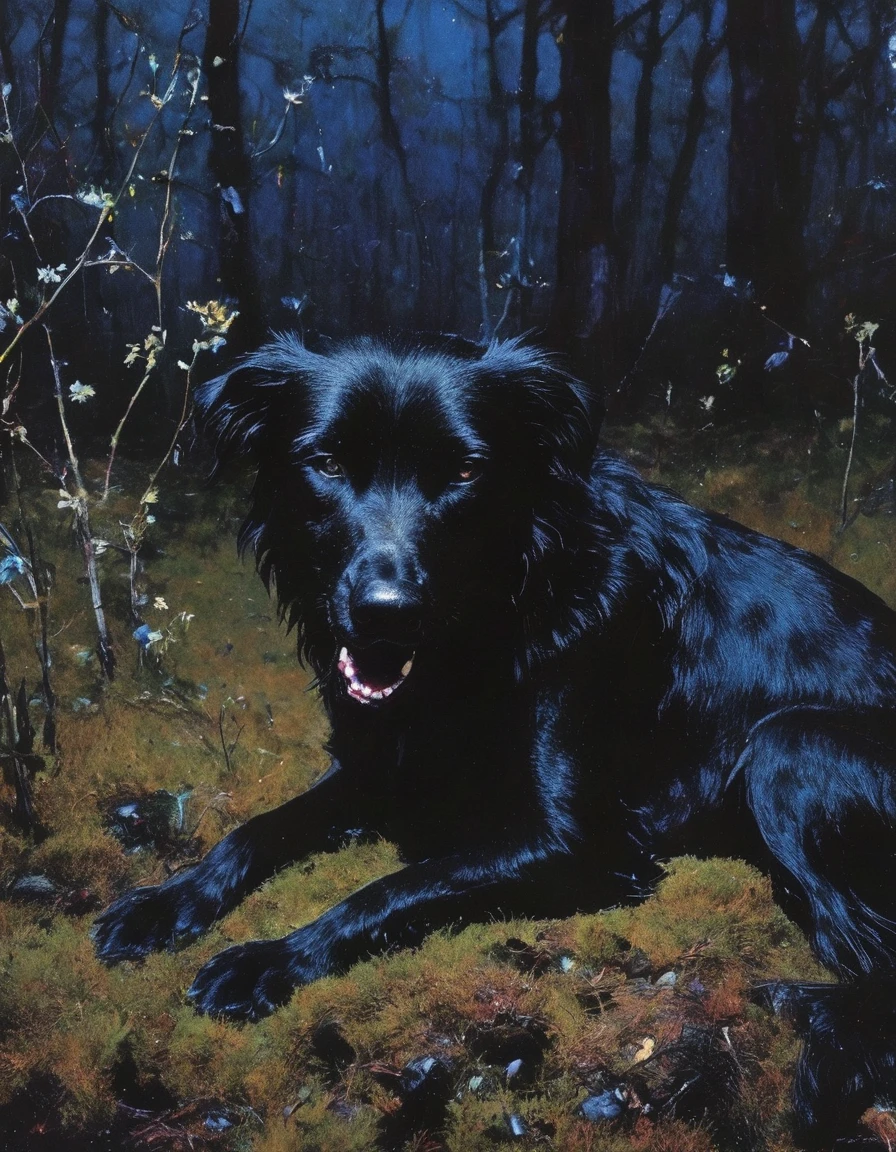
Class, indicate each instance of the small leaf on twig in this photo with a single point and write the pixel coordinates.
(8, 313)
(145, 636)
(11, 566)
(210, 345)
(214, 314)
(776, 360)
(95, 197)
(81, 393)
(67, 500)
(50, 275)
(862, 330)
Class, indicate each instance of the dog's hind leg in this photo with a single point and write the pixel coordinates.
(822, 788)
(149, 918)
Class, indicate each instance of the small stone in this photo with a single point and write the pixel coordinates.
(646, 1050)
(605, 1106)
(34, 886)
(636, 964)
(414, 1074)
(517, 1125)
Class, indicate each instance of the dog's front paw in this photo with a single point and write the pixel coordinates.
(148, 919)
(248, 981)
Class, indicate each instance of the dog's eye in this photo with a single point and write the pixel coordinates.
(469, 469)
(329, 466)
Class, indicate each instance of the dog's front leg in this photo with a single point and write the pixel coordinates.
(250, 980)
(146, 919)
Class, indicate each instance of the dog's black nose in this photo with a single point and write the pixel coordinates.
(386, 610)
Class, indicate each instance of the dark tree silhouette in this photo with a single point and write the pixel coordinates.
(101, 132)
(650, 53)
(765, 206)
(392, 138)
(498, 113)
(7, 56)
(417, 185)
(529, 147)
(229, 163)
(52, 50)
(695, 120)
(584, 300)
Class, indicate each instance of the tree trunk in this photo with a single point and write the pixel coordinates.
(497, 114)
(765, 218)
(584, 299)
(393, 141)
(104, 157)
(651, 54)
(51, 60)
(229, 164)
(528, 155)
(8, 72)
(695, 120)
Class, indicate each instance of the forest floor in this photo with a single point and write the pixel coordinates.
(632, 1029)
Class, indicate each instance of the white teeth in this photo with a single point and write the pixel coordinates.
(360, 691)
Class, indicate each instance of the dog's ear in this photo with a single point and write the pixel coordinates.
(560, 413)
(249, 404)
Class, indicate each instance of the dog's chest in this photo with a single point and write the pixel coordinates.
(457, 776)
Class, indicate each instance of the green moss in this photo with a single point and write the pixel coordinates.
(58, 1019)
(718, 911)
(316, 1127)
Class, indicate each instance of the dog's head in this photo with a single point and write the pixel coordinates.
(402, 492)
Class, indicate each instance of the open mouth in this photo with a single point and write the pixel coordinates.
(374, 673)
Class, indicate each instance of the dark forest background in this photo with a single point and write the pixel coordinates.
(692, 202)
(686, 198)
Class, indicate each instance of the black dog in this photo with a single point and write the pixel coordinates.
(543, 676)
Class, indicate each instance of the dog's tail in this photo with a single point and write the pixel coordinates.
(848, 1059)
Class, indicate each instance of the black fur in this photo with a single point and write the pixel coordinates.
(604, 677)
